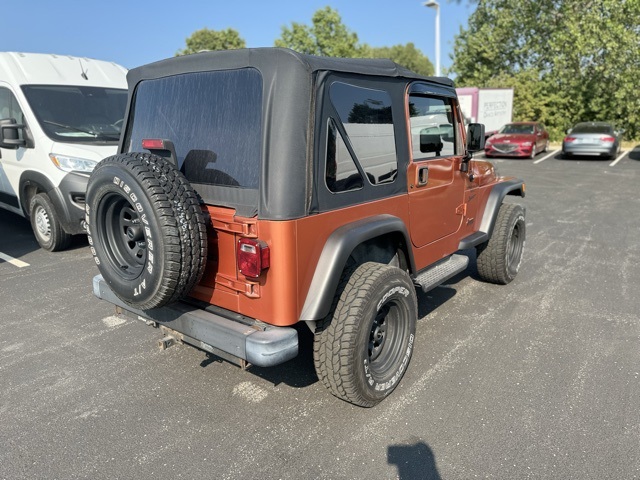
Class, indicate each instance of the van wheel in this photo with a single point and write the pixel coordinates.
(146, 229)
(46, 226)
(499, 259)
(363, 347)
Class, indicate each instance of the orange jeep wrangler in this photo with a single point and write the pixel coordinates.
(260, 188)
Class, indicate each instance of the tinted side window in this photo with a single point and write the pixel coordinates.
(367, 119)
(214, 120)
(433, 129)
(342, 174)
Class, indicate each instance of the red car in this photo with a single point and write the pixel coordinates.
(520, 139)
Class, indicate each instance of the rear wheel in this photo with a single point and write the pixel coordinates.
(46, 226)
(499, 259)
(363, 347)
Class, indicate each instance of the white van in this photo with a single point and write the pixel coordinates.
(59, 116)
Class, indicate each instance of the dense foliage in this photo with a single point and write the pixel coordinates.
(206, 39)
(568, 60)
(328, 36)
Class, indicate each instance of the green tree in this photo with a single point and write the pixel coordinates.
(406, 55)
(568, 60)
(206, 39)
(327, 36)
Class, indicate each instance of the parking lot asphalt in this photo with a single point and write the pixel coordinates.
(536, 379)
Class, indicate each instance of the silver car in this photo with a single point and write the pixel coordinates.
(592, 139)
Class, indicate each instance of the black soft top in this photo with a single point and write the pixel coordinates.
(300, 65)
(289, 79)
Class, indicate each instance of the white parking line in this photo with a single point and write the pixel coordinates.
(622, 154)
(547, 156)
(13, 261)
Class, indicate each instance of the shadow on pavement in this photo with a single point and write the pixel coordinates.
(413, 461)
(16, 237)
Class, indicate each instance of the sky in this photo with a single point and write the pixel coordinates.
(137, 32)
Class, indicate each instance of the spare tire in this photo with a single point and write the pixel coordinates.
(146, 229)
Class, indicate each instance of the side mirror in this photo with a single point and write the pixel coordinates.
(475, 137)
(569, 131)
(10, 134)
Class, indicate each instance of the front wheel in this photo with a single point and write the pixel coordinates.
(533, 152)
(363, 347)
(46, 226)
(499, 259)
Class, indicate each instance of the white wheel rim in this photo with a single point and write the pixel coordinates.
(43, 225)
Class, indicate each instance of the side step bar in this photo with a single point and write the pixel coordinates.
(441, 272)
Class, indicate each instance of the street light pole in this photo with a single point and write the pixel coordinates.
(436, 5)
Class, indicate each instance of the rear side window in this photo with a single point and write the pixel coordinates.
(365, 114)
(433, 131)
(214, 120)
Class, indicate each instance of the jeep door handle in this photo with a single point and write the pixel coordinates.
(423, 176)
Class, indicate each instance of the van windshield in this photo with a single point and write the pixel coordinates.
(78, 114)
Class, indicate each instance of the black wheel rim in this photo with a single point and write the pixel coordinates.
(387, 339)
(514, 247)
(123, 233)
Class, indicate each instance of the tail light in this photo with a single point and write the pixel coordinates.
(153, 144)
(569, 139)
(607, 139)
(253, 257)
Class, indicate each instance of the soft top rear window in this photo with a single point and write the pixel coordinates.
(213, 119)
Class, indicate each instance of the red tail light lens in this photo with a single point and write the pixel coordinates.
(153, 144)
(253, 257)
(608, 139)
(569, 139)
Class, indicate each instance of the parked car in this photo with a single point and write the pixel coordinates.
(258, 189)
(59, 116)
(592, 139)
(518, 139)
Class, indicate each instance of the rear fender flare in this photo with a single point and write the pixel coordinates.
(335, 254)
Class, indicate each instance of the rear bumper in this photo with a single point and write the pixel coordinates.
(259, 344)
(589, 150)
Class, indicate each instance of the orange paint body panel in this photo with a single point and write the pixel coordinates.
(278, 295)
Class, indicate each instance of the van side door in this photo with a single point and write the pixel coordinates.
(9, 174)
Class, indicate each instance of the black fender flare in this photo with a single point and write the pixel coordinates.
(498, 192)
(335, 254)
(29, 178)
(68, 217)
